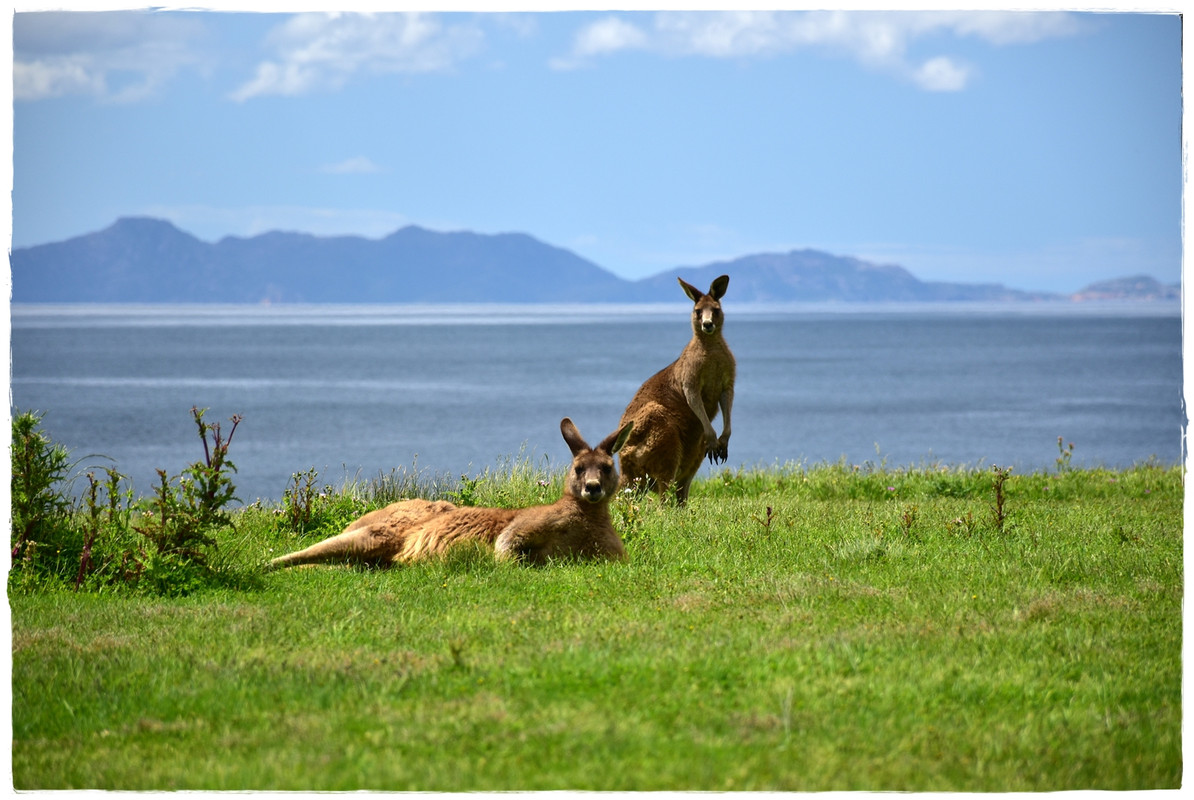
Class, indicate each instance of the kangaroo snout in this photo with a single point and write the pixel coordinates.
(593, 491)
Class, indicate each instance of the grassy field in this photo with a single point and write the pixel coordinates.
(794, 629)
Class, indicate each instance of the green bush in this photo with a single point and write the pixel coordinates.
(307, 508)
(163, 545)
(44, 542)
(39, 467)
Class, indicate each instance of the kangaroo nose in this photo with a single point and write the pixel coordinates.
(707, 325)
(593, 490)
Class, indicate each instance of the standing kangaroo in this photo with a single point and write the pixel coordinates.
(673, 410)
(577, 525)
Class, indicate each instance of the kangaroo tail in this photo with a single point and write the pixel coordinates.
(359, 545)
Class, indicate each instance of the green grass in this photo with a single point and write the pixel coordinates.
(791, 629)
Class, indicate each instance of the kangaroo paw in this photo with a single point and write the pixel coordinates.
(718, 455)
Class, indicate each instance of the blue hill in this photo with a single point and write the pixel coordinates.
(145, 260)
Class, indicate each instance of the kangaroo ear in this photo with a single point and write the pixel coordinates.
(613, 443)
(718, 287)
(572, 436)
(694, 294)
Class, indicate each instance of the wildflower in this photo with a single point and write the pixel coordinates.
(891, 488)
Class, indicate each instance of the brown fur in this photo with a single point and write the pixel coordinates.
(577, 525)
(673, 410)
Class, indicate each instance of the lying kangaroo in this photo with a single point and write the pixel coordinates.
(575, 526)
(673, 409)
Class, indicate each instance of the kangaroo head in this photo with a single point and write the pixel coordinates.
(592, 476)
(706, 311)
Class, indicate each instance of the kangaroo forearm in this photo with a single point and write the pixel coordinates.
(698, 407)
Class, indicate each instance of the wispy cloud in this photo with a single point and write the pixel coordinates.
(360, 165)
(113, 56)
(877, 40)
(126, 56)
(941, 74)
(608, 35)
(321, 52)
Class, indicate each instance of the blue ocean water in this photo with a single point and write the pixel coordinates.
(354, 391)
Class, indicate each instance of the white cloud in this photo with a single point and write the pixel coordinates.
(319, 52)
(730, 34)
(603, 37)
(114, 56)
(360, 165)
(607, 36)
(942, 74)
(41, 78)
(878, 40)
(1005, 27)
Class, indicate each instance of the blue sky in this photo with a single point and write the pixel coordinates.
(1040, 150)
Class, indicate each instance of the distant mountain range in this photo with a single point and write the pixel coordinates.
(1137, 287)
(145, 260)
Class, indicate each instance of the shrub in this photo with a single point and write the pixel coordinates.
(39, 467)
(102, 543)
(184, 514)
(307, 508)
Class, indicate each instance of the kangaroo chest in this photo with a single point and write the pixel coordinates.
(710, 370)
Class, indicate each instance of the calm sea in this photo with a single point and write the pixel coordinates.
(355, 391)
